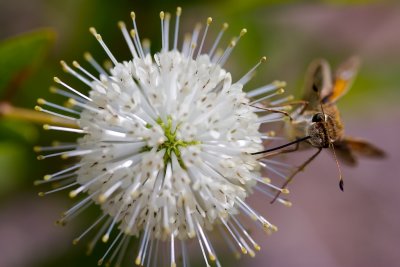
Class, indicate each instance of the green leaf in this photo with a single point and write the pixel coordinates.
(19, 56)
(18, 131)
(13, 166)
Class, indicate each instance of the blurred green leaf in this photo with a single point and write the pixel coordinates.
(19, 131)
(19, 56)
(12, 165)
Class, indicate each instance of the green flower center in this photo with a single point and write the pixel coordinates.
(173, 144)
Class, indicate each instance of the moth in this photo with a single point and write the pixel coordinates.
(317, 123)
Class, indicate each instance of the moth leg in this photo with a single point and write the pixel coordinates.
(274, 111)
(293, 174)
(302, 103)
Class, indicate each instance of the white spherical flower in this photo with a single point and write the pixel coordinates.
(166, 146)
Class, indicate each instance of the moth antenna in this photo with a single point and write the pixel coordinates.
(332, 147)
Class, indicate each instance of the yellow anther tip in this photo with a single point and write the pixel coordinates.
(121, 24)
(102, 198)
(133, 15)
(257, 247)
(41, 194)
(288, 204)
(263, 59)
(225, 26)
(92, 30)
(37, 108)
(46, 127)
(75, 64)
(55, 143)
(252, 254)
(63, 65)
(89, 249)
(72, 101)
(267, 180)
(146, 42)
(138, 260)
(244, 251)
(280, 91)
(62, 222)
(167, 230)
(279, 83)
(162, 15)
(285, 191)
(73, 194)
(105, 238)
(100, 262)
(41, 101)
(191, 234)
(209, 20)
(40, 157)
(64, 156)
(98, 37)
(273, 227)
(178, 11)
(56, 79)
(243, 32)
(47, 177)
(212, 257)
(87, 56)
(75, 241)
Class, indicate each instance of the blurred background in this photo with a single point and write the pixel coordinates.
(324, 227)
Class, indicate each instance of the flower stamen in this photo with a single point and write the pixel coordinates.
(135, 35)
(218, 39)
(128, 39)
(178, 16)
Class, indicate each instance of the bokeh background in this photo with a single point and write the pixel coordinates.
(325, 227)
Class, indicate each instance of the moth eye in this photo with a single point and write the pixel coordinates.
(318, 117)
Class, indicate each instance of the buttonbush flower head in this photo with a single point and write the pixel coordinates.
(165, 146)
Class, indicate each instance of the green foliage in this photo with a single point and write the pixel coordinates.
(13, 165)
(20, 55)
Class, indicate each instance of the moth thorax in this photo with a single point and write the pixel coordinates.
(322, 132)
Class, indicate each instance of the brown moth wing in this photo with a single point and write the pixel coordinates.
(362, 147)
(344, 77)
(344, 153)
(347, 149)
(318, 75)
